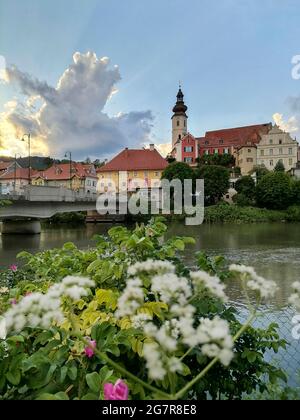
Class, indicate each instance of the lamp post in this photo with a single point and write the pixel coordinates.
(70, 157)
(29, 155)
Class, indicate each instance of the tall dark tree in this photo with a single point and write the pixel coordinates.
(279, 167)
(216, 182)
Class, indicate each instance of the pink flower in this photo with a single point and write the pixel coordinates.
(13, 268)
(13, 301)
(89, 350)
(119, 391)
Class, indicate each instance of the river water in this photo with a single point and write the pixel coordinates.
(273, 249)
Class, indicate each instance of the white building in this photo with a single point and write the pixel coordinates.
(277, 145)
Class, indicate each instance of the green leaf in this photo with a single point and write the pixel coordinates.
(14, 377)
(90, 397)
(94, 381)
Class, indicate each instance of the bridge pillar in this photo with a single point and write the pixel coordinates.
(25, 227)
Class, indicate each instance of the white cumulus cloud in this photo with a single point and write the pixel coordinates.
(71, 115)
(290, 125)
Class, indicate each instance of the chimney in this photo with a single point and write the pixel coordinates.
(151, 146)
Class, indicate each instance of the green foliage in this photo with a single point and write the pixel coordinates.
(178, 170)
(216, 182)
(295, 194)
(225, 213)
(274, 191)
(51, 364)
(246, 185)
(279, 167)
(260, 171)
(72, 218)
(226, 160)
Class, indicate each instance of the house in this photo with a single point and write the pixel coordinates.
(8, 166)
(14, 181)
(132, 169)
(277, 145)
(68, 175)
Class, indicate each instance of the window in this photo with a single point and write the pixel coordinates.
(179, 137)
(178, 123)
(221, 142)
(102, 184)
(271, 163)
(290, 151)
(94, 183)
(109, 184)
(157, 174)
(226, 151)
(134, 173)
(188, 149)
(188, 159)
(290, 161)
(216, 151)
(262, 152)
(249, 160)
(207, 142)
(146, 174)
(271, 152)
(271, 141)
(280, 141)
(206, 152)
(280, 151)
(249, 150)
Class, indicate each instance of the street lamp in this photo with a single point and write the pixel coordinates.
(29, 155)
(70, 158)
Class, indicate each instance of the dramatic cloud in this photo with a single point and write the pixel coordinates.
(291, 125)
(71, 115)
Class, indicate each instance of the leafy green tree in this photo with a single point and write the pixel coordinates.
(216, 182)
(246, 186)
(226, 160)
(274, 191)
(178, 170)
(295, 185)
(279, 167)
(260, 171)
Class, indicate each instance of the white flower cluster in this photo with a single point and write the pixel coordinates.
(140, 320)
(266, 288)
(294, 299)
(41, 310)
(170, 288)
(131, 299)
(163, 335)
(156, 266)
(211, 283)
(215, 338)
(154, 362)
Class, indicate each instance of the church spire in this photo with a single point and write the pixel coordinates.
(180, 108)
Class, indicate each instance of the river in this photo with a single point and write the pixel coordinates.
(273, 249)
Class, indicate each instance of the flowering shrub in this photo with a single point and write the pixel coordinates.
(127, 319)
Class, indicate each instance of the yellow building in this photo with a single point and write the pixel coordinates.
(246, 158)
(132, 169)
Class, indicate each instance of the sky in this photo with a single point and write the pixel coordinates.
(95, 76)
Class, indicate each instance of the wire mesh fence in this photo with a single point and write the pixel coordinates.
(288, 359)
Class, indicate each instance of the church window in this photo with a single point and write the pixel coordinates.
(179, 136)
(184, 123)
(178, 123)
(290, 151)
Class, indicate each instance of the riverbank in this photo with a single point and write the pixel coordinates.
(226, 213)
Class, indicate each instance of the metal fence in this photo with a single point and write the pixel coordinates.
(287, 359)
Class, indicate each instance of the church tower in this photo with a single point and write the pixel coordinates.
(179, 118)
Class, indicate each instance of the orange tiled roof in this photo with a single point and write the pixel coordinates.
(61, 171)
(134, 160)
(20, 173)
(236, 136)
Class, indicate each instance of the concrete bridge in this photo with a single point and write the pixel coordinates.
(26, 210)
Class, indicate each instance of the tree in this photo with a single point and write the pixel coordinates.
(170, 159)
(178, 170)
(260, 171)
(295, 186)
(226, 160)
(216, 182)
(246, 185)
(279, 167)
(87, 161)
(274, 191)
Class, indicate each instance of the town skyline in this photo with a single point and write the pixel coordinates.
(130, 105)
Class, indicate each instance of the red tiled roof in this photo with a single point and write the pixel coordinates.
(5, 165)
(62, 171)
(20, 173)
(134, 160)
(236, 136)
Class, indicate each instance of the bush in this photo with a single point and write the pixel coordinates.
(58, 362)
(295, 194)
(273, 191)
(216, 182)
